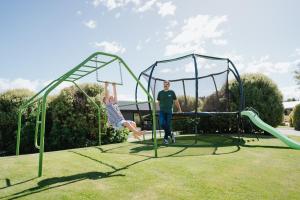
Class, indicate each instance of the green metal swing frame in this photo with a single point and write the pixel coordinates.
(88, 66)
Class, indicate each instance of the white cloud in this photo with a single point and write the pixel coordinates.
(112, 47)
(117, 15)
(96, 2)
(194, 34)
(292, 91)
(165, 9)
(296, 53)
(166, 70)
(90, 24)
(237, 59)
(265, 66)
(139, 46)
(172, 24)
(79, 12)
(147, 6)
(33, 85)
(169, 34)
(113, 4)
(219, 42)
(58, 88)
(6, 84)
(190, 67)
(147, 40)
(139, 6)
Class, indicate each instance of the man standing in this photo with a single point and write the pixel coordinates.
(166, 98)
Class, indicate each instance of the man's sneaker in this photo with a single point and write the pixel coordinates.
(173, 138)
(165, 141)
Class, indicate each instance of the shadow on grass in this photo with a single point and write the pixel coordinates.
(206, 145)
(265, 146)
(211, 142)
(251, 138)
(8, 183)
(56, 182)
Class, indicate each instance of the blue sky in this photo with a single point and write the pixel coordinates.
(41, 40)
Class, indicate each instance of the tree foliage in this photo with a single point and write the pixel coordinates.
(71, 120)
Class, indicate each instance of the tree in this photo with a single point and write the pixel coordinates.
(297, 76)
(262, 94)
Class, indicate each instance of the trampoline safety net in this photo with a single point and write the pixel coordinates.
(201, 84)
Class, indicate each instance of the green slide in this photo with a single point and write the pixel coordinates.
(262, 125)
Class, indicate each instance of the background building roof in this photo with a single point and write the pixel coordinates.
(142, 107)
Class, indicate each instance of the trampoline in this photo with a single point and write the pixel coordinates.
(201, 84)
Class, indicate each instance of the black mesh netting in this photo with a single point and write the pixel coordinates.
(201, 86)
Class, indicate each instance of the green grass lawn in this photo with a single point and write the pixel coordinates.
(215, 168)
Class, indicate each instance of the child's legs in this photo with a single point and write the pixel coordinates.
(130, 127)
(132, 123)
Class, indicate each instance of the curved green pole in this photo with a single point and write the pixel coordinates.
(47, 90)
(98, 109)
(37, 125)
(57, 82)
(43, 121)
(44, 101)
(19, 131)
(152, 100)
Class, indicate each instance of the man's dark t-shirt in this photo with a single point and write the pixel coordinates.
(166, 99)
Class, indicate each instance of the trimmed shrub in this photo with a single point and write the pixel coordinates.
(10, 101)
(114, 135)
(296, 117)
(214, 124)
(75, 122)
(214, 103)
(262, 94)
(187, 104)
(71, 121)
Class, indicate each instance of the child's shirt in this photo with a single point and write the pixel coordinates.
(114, 114)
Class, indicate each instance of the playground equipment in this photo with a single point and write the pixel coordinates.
(264, 126)
(93, 63)
(204, 80)
(197, 78)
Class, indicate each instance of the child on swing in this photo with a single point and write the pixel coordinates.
(115, 117)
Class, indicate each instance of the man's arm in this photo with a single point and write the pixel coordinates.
(115, 92)
(178, 105)
(177, 102)
(158, 100)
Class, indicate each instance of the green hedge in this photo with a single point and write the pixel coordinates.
(260, 92)
(187, 103)
(10, 101)
(214, 124)
(74, 120)
(296, 117)
(71, 121)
